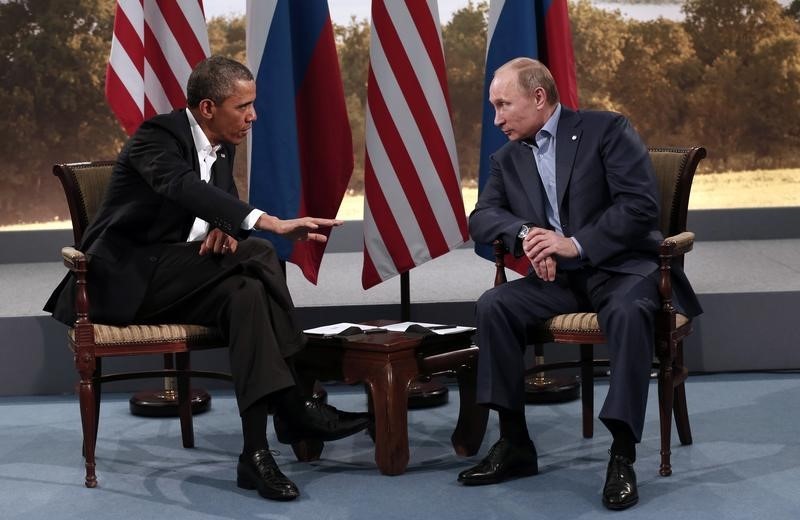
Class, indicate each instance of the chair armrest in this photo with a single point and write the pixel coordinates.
(73, 258)
(500, 251)
(671, 248)
(677, 245)
(76, 262)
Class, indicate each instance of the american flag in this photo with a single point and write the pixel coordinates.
(154, 47)
(413, 209)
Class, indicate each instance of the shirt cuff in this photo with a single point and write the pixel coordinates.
(250, 220)
(578, 245)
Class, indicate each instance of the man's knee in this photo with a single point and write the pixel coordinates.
(490, 303)
(244, 291)
(624, 312)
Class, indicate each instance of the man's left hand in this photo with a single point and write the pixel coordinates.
(218, 243)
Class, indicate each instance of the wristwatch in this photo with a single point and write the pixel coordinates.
(523, 231)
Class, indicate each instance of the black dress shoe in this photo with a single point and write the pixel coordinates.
(504, 461)
(319, 421)
(620, 491)
(260, 471)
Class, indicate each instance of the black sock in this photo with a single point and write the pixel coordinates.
(254, 426)
(514, 427)
(624, 442)
(289, 402)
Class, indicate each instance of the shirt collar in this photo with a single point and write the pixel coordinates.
(550, 127)
(201, 143)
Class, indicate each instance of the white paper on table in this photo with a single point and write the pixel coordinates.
(438, 328)
(336, 328)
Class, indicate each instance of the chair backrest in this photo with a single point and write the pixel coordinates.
(675, 169)
(85, 187)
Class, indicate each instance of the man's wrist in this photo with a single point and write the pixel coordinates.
(251, 220)
(266, 222)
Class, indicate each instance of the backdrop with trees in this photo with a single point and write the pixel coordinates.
(726, 77)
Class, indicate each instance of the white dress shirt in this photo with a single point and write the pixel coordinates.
(207, 155)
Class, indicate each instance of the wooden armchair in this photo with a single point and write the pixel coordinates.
(674, 168)
(84, 186)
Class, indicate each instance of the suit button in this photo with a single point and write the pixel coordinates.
(153, 259)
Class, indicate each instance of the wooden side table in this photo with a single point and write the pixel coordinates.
(387, 362)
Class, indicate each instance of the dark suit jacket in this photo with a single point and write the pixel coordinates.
(606, 192)
(153, 197)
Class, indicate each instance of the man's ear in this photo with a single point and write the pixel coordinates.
(540, 96)
(206, 108)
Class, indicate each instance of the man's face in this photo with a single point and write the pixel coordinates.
(231, 120)
(516, 113)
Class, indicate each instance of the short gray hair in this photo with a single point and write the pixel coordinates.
(532, 74)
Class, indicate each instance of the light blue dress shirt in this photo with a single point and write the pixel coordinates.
(544, 153)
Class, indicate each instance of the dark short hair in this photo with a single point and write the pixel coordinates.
(532, 74)
(215, 78)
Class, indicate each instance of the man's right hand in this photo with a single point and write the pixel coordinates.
(302, 228)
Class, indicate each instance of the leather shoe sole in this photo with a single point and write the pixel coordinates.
(518, 472)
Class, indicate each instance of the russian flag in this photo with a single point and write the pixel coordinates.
(300, 147)
(536, 29)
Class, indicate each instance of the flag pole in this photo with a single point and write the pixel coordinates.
(405, 297)
(423, 391)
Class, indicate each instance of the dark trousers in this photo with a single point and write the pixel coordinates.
(625, 305)
(245, 296)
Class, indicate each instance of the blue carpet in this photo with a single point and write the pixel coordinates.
(744, 463)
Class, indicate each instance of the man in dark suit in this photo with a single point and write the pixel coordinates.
(575, 193)
(170, 243)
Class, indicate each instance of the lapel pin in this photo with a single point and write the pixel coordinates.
(223, 155)
(574, 137)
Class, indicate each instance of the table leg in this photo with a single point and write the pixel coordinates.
(308, 450)
(388, 386)
(472, 417)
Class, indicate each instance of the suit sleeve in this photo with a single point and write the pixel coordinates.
(492, 217)
(160, 158)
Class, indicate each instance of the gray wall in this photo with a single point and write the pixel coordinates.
(34, 358)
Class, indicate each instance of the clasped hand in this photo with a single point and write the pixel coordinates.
(543, 247)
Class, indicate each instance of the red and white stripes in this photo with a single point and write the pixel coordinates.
(155, 45)
(413, 208)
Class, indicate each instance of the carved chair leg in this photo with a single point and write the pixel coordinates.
(184, 399)
(88, 405)
(682, 415)
(665, 403)
(679, 405)
(587, 390)
(98, 390)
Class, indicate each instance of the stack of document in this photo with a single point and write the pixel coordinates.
(337, 328)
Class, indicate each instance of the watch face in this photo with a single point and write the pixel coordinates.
(523, 231)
